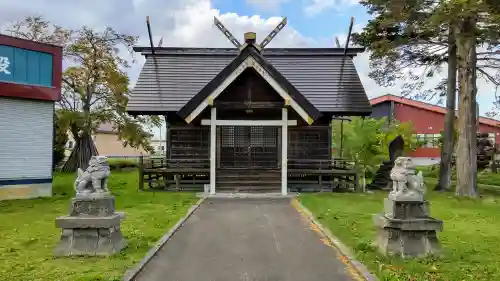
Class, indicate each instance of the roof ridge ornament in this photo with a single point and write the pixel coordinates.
(351, 23)
(150, 35)
(273, 33)
(250, 37)
(227, 33)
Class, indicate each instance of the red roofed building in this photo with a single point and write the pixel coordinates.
(428, 121)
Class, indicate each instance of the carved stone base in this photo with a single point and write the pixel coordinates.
(92, 228)
(95, 204)
(407, 237)
(406, 209)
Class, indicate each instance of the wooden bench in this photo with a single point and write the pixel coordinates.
(185, 174)
(310, 172)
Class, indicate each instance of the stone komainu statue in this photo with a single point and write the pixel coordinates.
(406, 182)
(94, 178)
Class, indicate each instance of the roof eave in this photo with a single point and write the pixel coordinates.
(147, 51)
(145, 112)
(427, 106)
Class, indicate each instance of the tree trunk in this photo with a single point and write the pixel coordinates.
(84, 147)
(466, 146)
(445, 167)
(80, 155)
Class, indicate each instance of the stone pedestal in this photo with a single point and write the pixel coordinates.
(92, 227)
(406, 229)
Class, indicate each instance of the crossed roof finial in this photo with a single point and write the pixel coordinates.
(251, 38)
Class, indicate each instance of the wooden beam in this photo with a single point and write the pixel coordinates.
(248, 105)
(150, 35)
(213, 139)
(348, 36)
(208, 122)
(341, 118)
(284, 152)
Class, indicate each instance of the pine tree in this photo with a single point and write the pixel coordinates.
(406, 34)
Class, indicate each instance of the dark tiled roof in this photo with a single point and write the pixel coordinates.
(175, 75)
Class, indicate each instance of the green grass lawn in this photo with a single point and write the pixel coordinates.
(483, 177)
(470, 240)
(28, 234)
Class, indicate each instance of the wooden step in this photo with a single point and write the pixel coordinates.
(248, 178)
(248, 188)
(255, 173)
(248, 183)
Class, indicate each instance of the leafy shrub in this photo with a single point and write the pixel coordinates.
(122, 164)
(367, 140)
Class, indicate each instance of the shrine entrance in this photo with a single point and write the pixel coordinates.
(248, 147)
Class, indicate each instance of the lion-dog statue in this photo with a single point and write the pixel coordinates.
(94, 178)
(406, 182)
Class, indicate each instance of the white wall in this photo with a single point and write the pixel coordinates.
(158, 144)
(26, 129)
(425, 161)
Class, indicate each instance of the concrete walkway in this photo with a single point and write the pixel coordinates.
(248, 240)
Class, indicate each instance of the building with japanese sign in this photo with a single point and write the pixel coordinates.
(30, 83)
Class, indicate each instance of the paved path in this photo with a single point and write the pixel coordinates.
(247, 240)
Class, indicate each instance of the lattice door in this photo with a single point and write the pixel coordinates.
(248, 147)
(264, 147)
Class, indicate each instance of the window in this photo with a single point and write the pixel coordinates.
(70, 144)
(492, 137)
(428, 140)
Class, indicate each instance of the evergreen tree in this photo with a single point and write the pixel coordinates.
(428, 34)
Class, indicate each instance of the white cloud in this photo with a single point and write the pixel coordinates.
(317, 6)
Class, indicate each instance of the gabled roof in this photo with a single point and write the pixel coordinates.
(250, 57)
(173, 76)
(426, 106)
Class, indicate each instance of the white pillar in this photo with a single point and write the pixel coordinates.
(213, 144)
(284, 152)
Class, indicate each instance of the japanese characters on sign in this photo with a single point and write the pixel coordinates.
(26, 67)
(4, 65)
(29, 70)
